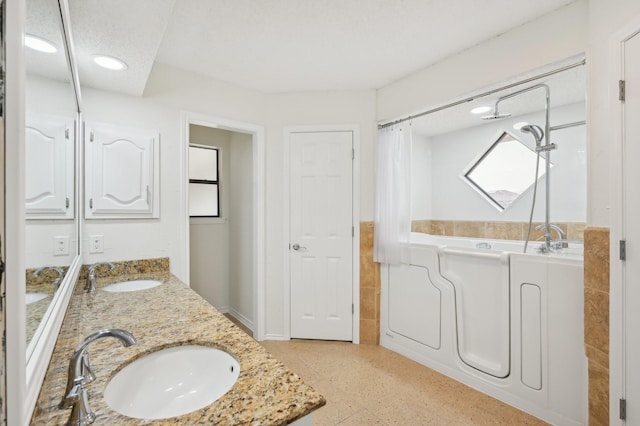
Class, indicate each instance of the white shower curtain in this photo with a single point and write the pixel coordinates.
(393, 196)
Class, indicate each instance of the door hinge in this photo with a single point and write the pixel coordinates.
(353, 154)
(66, 133)
(353, 231)
(621, 90)
(353, 309)
(623, 250)
(66, 202)
(623, 409)
(90, 203)
(91, 137)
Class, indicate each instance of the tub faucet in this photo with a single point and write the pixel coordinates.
(549, 244)
(91, 281)
(80, 375)
(58, 269)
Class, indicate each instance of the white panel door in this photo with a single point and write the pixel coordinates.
(631, 226)
(49, 163)
(321, 226)
(121, 172)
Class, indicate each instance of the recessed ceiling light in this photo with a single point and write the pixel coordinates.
(520, 125)
(109, 62)
(481, 109)
(39, 44)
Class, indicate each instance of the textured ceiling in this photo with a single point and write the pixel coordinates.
(280, 45)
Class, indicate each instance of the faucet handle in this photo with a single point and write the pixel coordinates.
(85, 368)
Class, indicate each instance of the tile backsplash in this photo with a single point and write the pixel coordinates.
(493, 230)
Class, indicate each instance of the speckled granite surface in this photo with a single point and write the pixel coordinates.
(266, 392)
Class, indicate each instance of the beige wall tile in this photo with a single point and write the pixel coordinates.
(368, 303)
(442, 227)
(469, 229)
(596, 319)
(575, 230)
(596, 258)
(369, 334)
(423, 226)
(598, 394)
(596, 355)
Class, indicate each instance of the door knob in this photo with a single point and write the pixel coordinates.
(298, 247)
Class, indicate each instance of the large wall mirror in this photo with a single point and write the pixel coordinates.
(51, 173)
(474, 171)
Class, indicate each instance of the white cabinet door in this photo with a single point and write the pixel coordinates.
(121, 172)
(49, 163)
(321, 258)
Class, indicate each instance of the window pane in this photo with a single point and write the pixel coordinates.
(203, 199)
(506, 171)
(203, 163)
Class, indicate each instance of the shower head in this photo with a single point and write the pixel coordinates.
(535, 130)
(495, 116)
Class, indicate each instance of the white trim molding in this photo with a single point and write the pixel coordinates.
(258, 142)
(617, 324)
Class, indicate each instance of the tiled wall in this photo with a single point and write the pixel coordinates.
(369, 288)
(494, 230)
(596, 321)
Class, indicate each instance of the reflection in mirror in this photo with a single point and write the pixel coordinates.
(453, 141)
(51, 227)
(505, 171)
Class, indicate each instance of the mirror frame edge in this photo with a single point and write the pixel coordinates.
(35, 368)
(15, 308)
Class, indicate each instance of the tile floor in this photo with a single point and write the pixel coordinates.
(369, 385)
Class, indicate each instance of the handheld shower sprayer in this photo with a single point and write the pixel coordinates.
(535, 130)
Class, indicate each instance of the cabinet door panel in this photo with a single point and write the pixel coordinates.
(49, 166)
(121, 172)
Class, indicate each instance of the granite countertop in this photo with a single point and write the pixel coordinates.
(266, 393)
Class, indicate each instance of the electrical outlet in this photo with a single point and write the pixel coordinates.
(96, 244)
(60, 246)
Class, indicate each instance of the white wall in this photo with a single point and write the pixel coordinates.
(170, 91)
(451, 153)
(209, 237)
(321, 108)
(551, 38)
(421, 182)
(140, 238)
(605, 19)
(241, 241)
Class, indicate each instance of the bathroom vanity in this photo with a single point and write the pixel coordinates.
(168, 315)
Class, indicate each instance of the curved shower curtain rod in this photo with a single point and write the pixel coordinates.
(480, 95)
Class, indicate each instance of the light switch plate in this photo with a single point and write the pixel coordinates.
(61, 246)
(96, 244)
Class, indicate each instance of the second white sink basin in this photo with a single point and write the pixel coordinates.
(172, 382)
(135, 285)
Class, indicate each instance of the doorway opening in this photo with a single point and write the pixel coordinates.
(224, 216)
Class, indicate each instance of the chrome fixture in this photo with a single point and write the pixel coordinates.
(535, 130)
(558, 244)
(80, 375)
(58, 269)
(539, 135)
(91, 281)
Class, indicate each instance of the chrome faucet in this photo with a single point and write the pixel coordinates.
(91, 281)
(58, 269)
(80, 375)
(549, 243)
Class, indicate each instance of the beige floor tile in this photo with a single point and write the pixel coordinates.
(362, 418)
(370, 385)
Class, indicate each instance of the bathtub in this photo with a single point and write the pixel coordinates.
(507, 323)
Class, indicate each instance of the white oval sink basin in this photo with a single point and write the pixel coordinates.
(34, 297)
(172, 382)
(135, 285)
